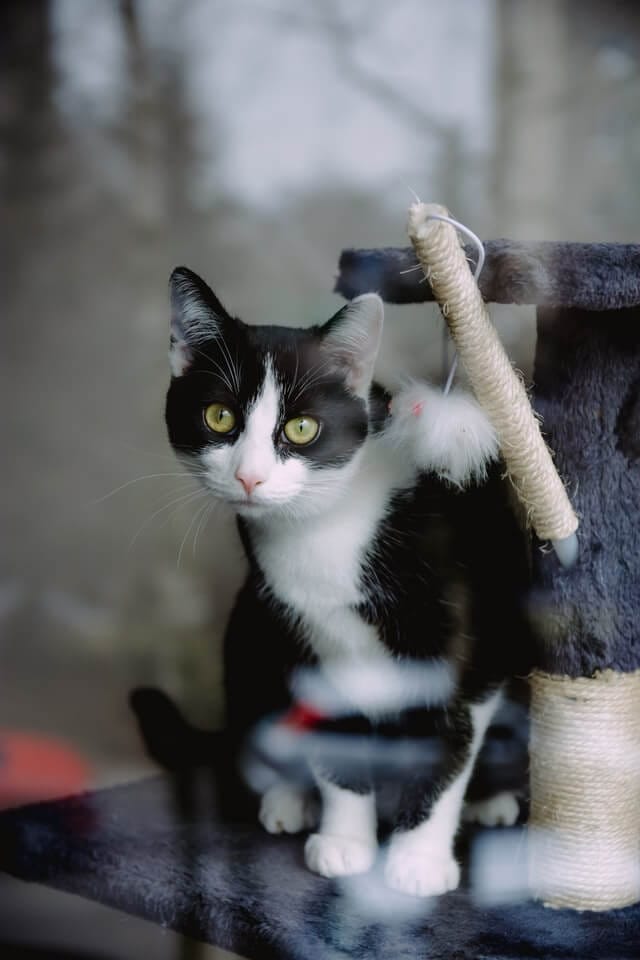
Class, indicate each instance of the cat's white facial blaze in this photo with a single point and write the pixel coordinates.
(253, 476)
(256, 469)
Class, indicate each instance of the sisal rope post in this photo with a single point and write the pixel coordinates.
(584, 824)
(497, 387)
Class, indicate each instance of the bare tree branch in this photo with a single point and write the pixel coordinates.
(342, 35)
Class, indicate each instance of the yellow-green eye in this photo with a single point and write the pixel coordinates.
(219, 418)
(301, 430)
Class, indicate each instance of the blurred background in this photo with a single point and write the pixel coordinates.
(251, 140)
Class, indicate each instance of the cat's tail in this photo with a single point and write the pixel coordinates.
(186, 751)
(168, 737)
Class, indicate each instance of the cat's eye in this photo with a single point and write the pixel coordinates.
(301, 430)
(219, 418)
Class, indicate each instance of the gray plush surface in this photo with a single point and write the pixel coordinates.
(138, 849)
(591, 276)
(587, 389)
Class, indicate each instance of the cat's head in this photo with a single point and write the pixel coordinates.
(270, 418)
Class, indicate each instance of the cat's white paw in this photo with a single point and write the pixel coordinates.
(419, 875)
(286, 809)
(501, 810)
(449, 433)
(334, 856)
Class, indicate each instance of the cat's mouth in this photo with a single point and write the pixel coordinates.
(256, 508)
(245, 504)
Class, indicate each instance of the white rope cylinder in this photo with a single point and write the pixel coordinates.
(584, 825)
(495, 384)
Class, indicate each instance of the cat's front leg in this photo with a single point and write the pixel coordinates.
(287, 808)
(500, 810)
(420, 859)
(346, 842)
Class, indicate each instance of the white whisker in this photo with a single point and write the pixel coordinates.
(311, 377)
(217, 370)
(183, 499)
(128, 483)
(233, 372)
(295, 374)
(196, 515)
(203, 523)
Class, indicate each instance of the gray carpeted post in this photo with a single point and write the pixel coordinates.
(585, 717)
(585, 741)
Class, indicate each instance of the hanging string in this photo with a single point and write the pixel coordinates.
(497, 387)
(476, 273)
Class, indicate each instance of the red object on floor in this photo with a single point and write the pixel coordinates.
(35, 767)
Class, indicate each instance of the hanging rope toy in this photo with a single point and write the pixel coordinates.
(496, 385)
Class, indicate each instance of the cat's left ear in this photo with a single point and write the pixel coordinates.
(196, 316)
(352, 340)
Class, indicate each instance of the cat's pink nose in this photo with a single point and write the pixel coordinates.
(249, 481)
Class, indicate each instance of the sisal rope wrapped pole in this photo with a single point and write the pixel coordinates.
(584, 824)
(494, 381)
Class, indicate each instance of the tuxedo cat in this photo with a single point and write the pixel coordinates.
(382, 552)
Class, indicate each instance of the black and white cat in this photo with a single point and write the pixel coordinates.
(381, 550)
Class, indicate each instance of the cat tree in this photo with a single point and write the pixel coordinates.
(162, 849)
(585, 735)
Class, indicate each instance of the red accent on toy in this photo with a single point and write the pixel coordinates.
(302, 717)
(35, 768)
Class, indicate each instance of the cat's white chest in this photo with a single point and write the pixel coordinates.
(315, 567)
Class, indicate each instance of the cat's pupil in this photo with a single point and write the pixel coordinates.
(301, 430)
(219, 418)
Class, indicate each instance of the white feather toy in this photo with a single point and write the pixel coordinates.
(449, 434)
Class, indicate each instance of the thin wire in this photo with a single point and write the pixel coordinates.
(567, 548)
(475, 239)
(461, 228)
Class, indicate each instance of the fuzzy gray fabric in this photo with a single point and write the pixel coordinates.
(587, 389)
(237, 887)
(591, 276)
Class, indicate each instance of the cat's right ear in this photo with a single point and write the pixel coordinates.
(352, 339)
(196, 316)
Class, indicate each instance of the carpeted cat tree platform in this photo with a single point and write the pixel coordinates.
(237, 887)
(161, 849)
